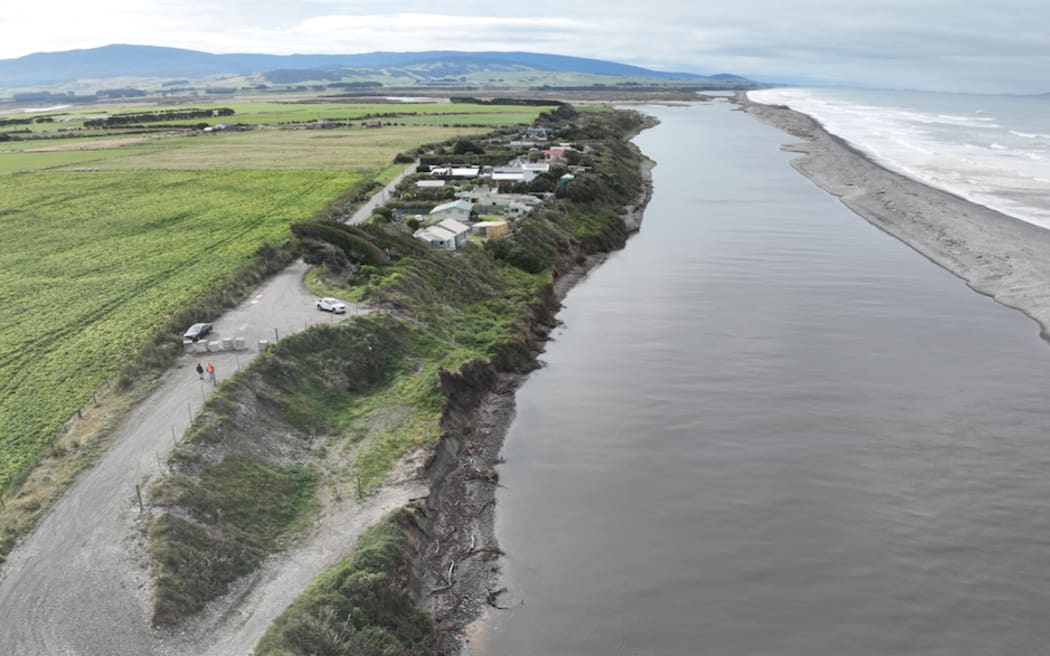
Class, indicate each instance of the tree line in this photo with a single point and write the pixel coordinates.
(122, 120)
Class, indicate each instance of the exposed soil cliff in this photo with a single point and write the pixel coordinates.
(456, 573)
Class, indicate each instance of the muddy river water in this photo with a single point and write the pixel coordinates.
(768, 428)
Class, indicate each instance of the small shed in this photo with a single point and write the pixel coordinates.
(492, 229)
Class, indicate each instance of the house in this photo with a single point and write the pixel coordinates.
(430, 184)
(458, 209)
(512, 174)
(501, 177)
(554, 155)
(437, 237)
(539, 134)
(373, 124)
(517, 208)
(459, 232)
(487, 199)
(225, 127)
(455, 172)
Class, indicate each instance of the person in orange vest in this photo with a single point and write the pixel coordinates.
(211, 372)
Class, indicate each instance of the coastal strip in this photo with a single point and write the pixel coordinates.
(456, 524)
(996, 254)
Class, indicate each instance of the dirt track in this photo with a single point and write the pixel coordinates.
(78, 584)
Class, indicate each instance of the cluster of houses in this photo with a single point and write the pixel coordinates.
(451, 223)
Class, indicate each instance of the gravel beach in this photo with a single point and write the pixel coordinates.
(995, 254)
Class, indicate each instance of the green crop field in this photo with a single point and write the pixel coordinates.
(269, 148)
(105, 236)
(91, 264)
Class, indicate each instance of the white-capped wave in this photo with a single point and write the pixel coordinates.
(939, 140)
(1028, 135)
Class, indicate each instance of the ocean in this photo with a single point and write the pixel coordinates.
(990, 150)
(767, 428)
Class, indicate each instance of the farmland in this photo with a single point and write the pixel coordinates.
(102, 247)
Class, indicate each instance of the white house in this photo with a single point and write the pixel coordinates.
(458, 209)
(489, 199)
(437, 237)
(511, 174)
(459, 231)
(455, 172)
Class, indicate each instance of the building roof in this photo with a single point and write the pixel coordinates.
(435, 233)
(456, 204)
(507, 175)
(453, 226)
(430, 183)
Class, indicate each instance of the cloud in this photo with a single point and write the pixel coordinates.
(944, 43)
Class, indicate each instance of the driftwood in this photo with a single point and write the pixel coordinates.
(448, 580)
(493, 599)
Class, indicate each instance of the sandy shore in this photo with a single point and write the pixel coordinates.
(995, 254)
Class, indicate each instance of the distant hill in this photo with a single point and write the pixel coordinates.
(49, 68)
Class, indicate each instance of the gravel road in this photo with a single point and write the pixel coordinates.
(362, 213)
(78, 584)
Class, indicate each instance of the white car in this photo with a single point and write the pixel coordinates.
(329, 304)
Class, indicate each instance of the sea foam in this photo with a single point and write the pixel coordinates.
(991, 150)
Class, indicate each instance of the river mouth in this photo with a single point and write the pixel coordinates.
(767, 427)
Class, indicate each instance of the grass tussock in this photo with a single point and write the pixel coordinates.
(361, 606)
(229, 520)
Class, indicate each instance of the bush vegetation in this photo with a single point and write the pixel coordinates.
(361, 606)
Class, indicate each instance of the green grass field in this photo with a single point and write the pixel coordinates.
(92, 264)
(106, 238)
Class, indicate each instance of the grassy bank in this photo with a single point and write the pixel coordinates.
(361, 606)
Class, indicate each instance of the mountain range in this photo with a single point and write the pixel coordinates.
(112, 61)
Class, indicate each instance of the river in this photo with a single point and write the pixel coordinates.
(766, 427)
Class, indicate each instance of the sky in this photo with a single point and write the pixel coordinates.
(937, 45)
